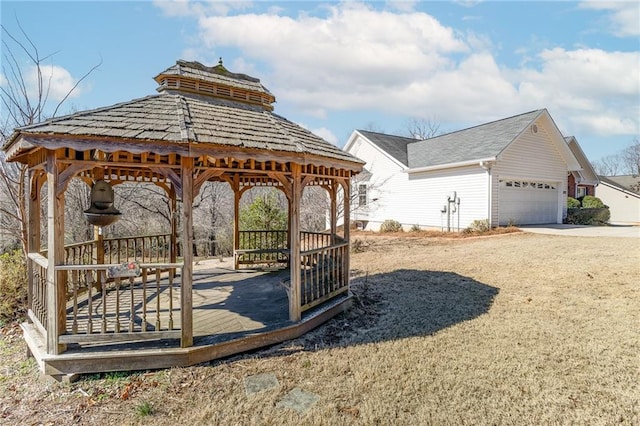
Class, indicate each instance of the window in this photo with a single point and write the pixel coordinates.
(581, 191)
(362, 195)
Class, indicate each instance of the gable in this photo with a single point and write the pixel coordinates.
(586, 172)
(395, 146)
(360, 145)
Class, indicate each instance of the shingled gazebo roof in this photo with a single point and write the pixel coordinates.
(199, 107)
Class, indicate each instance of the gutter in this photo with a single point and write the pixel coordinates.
(452, 165)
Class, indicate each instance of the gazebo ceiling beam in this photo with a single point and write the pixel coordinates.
(138, 147)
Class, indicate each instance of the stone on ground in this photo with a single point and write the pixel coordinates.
(298, 400)
(260, 382)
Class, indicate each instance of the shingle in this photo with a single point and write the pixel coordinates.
(182, 117)
(483, 141)
(210, 120)
(396, 146)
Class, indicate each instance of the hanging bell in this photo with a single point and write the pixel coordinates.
(101, 212)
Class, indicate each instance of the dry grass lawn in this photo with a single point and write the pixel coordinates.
(507, 329)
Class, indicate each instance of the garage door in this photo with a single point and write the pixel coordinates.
(527, 202)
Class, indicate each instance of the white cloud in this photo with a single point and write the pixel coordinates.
(607, 122)
(315, 58)
(57, 82)
(199, 8)
(357, 57)
(594, 90)
(624, 16)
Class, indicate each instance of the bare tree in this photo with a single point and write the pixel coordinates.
(22, 106)
(631, 158)
(607, 166)
(423, 128)
(626, 162)
(213, 223)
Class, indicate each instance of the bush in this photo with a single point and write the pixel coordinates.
(590, 216)
(358, 246)
(478, 225)
(572, 203)
(390, 225)
(13, 286)
(415, 228)
(264, 214)
(591, 202)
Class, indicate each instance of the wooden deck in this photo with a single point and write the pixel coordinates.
(233, 311)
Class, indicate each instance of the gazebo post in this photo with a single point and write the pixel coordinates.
(295, 311)
(186, 297)
(333, 214)
(173, 239)
(236, 217)
(33, 230)
(55, 252)
(346, 222)
(98, 174)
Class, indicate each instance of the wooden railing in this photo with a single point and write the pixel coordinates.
(314, 240)
(80, 253)
(143, 248)
(262, 247)
(38, 290)
(324, 273)
(98, 310)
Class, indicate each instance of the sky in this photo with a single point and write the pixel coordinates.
(339, 66)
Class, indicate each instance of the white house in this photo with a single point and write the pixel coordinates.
(510, 171)
(623, 200)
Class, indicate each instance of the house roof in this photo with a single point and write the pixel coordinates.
(396, 146)
(184, 117)
(475, 143)
(623, 182)
(483, 142)
(587, 173)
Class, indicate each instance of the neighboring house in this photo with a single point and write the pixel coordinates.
(622, 195)
(510, 171)
(580, 182)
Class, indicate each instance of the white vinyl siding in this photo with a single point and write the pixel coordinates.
(624, 206)
(384, 171)
(417, 198)
(531, 157)
(429, 192)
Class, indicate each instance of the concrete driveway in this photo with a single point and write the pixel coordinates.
(623, 231)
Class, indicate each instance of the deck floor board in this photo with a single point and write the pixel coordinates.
(225, 303)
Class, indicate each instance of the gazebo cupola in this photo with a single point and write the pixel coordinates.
(214, 82)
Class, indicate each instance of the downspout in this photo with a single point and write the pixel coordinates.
(487, 166)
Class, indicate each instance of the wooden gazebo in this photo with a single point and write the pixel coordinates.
(205, 124)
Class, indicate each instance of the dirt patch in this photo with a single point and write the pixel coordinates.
(520, 328)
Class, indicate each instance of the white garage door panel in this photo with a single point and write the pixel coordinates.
(527, 202)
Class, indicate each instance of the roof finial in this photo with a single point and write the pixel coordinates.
(220, 61)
